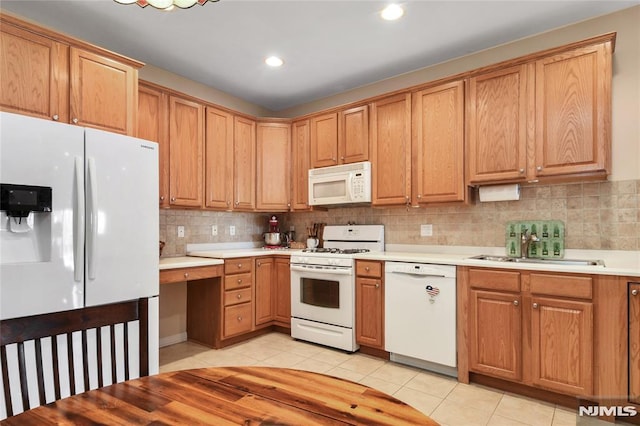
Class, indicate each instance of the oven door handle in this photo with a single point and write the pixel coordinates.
(299, 268)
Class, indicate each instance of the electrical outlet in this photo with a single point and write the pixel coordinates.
(232, 230)
(426, 230)
(214, 230)
(180, 231)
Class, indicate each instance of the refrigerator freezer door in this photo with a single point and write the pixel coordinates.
(37, 266)
(122, 218)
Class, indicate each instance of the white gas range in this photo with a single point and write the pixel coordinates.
(323, 285)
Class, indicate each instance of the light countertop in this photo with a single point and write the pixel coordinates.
(243, 252)
(187, 262)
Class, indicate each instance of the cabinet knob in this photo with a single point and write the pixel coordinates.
(56, 117)
(419, 196)
(237, 202)
(521, 171)
(162, 198)
(239, 265)
(239, 318)
(173, 199)
(239, 280)
(228, 203)
(377, 285)
(366, 268)
(516, 303)
(333, 159)
(535, 306)
(259, 263)
(342, 158)
(186, 275)
(634, 292)
(539, 168)
(75, 121)
(239, 296)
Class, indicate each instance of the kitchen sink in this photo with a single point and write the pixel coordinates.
(576, 262)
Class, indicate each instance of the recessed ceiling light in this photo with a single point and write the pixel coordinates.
(273, 61)
(392, 12)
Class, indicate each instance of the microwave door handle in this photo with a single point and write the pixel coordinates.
(350, 186)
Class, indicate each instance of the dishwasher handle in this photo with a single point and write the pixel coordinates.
(418, 274)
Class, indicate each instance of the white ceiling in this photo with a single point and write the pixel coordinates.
(328, 46)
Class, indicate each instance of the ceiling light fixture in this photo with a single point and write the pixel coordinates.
(392, 12)
(166, 4)
(273, 61)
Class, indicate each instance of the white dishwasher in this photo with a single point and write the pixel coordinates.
(420, 315)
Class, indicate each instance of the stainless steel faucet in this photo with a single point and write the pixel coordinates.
(526, 238)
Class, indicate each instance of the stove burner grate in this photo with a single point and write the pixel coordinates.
(335, 250)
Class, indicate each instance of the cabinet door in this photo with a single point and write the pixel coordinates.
(324, 140)
(153, 125)
(273, 150)
(34, 72)
(186, 134)
(218, 179)
(438, 144)
(104, 93)
(300, 169)
(370, 312)
(562, 345)
(634, 343)
(265, 295)
(391, 150)
(573, 112)
(353, 135)
(244, 164)
(498, 104)
(283, 291)
(495, 332)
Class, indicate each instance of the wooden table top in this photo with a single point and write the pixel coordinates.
(229, 396)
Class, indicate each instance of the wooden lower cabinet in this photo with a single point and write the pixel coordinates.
(634, 342)
(237, 319)
(496, 334)
(282, 314)
(533, 328)
(370, 304)
(237, 297)
(265, 294)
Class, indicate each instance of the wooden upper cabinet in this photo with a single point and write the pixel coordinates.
(438, 144)
(273, 153)
(391, 150)
(104, 93)
(153, 125)
(34, 72)
(353, 135)
(218, 159)
(55, 77)
(300, 165)
(244, 163)
(324, 140)
(573, 112)
(497, 109)
(186, 143)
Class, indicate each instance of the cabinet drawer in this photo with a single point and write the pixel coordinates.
(494, 280)
(232, 282)
(234, 297)
(186, 274)
(237, 319)
(237, 266)
(562, 285)
(369, 269)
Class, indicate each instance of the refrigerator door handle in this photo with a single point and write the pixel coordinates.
(78, 225)
(92, 217)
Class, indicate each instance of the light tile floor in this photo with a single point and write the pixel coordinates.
(441, 398)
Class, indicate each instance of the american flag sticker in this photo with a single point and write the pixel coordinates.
(432, 291)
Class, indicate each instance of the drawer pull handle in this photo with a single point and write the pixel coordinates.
(239, 296)
(56, 117)
(186, 275)
(366, 268)
(516, 303)
(377, 285)
(535, 306)
(634, 292)
(239, 280)
(239, 265)
(239, 318)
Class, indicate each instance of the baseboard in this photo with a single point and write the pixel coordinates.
(172, 340)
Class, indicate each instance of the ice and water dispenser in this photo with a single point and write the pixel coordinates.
(25, 223)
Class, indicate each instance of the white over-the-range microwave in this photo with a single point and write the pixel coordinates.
(343, 184)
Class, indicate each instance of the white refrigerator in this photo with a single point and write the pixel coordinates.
(78, 220)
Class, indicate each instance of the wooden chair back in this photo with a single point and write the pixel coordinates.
(45, 336)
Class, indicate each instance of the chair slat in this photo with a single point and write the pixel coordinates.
(40, 372)
(22, 369)
(112, 331)
(70, 363)
(99, 356)
(5, 380)
(56, 367)
(85, 363)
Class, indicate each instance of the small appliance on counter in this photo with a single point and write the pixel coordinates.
(272, 238)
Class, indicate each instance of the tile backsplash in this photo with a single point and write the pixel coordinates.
(597, 215)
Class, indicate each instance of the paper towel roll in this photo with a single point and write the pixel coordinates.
(499, 192)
